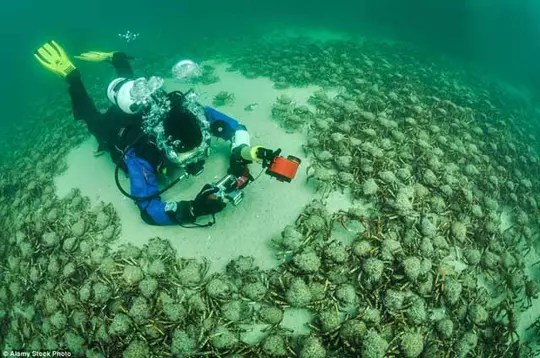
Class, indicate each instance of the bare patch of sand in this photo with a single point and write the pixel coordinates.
(243, 230)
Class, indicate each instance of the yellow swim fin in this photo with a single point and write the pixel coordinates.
(95, 56)
(54, 58)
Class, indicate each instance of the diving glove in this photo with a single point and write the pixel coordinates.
(238, 164)
(205, 203)
(95, 56)
(54, 58)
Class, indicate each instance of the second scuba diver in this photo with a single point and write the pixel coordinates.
(144, 133)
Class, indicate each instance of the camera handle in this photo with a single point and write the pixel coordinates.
(259, 154)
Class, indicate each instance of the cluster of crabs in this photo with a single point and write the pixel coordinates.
(438, 263)
(447, 165)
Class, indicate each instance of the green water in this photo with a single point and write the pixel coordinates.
(500, 36)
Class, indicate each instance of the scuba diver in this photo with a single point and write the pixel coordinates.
(147, 130)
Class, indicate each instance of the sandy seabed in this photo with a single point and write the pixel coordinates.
(268, 205)
(246, 229)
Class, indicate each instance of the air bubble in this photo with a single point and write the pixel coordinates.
(186, 70)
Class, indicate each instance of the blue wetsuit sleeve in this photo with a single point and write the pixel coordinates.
(143, 182)
(222, 126)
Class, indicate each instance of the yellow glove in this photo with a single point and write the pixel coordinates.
(54, 58)
(95, 56)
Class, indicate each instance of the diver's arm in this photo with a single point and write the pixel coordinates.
(230, 129)
(226, 127)
(143, 181)
(120, 62)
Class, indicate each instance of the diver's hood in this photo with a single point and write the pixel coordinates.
(119, 93)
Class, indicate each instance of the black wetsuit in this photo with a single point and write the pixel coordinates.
(122, 136)
(114, 130)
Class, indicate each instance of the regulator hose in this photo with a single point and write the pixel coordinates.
(148, 197)
(140, 198)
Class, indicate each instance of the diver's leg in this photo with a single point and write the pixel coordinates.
(83, 107)
(228, 128)
(120, 62)
(143, 182)
(85, 110)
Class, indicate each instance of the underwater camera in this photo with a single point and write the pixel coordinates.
(195, 168)
(277, 166)
(229, 188)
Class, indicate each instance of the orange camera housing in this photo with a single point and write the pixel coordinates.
(284, 169)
